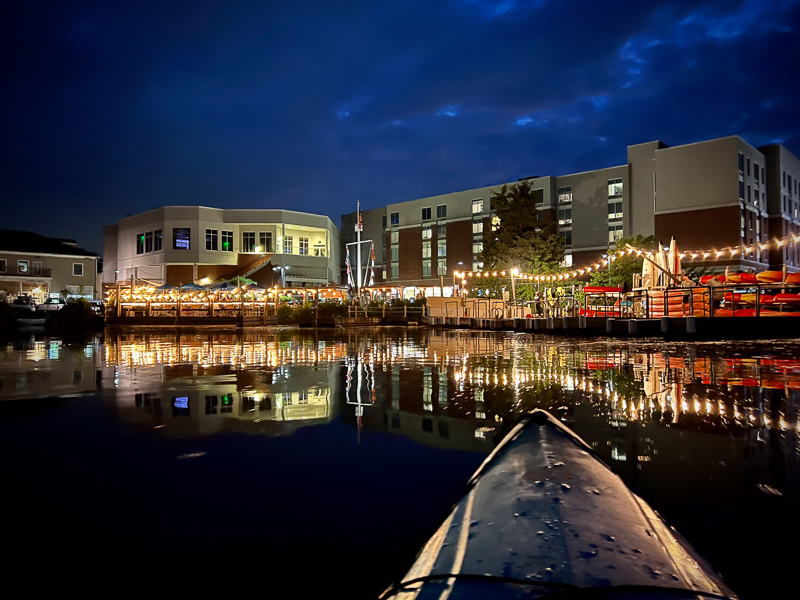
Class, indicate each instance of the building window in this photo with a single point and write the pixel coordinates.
(495, 222)
(395, 253)
(441, 267)
(426, 268)
(139, 243)
(181, 238)
(615, 188)
(212, 239)
(394, 237)
(763, 175)
(741, 162)
(565, 195)
(288, 245)
(441, 248)
(477, 247)
(741, 190)
(614, 233)
(265, 241)
(395, 271)
(383, 221)
(426, 249)
(37, 267)
(148, 241)
(426, 213)
(441, 230)
(157, 240)
(77, 269)
(783, 178)
(427, 232)
(477, 265)
(303, 245)
(748, 166)
(3, 265)
(22, 266)
(565, 216)
(755, 171)
(248, 241)
(614, 210)
(567, 237)
(441, 211)
(477, 226)
(749, 194)
(395, 218)
(227, 241)
(477, 207)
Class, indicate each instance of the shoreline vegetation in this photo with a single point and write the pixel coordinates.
(77, 321)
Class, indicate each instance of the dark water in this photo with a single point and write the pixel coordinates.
(330, 459)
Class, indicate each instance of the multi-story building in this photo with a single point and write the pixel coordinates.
(709, 196)
(42, 267)
(782, 185)
(182, 244)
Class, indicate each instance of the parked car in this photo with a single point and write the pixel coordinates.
(52, 304)
(98, 306)
(23, 304)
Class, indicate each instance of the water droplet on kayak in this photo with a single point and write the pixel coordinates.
(565, 487)
(539, 483)
(597, 492)
(610, 538)
(540, 533)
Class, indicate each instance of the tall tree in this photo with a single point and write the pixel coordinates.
(517, 240)
(623, 269)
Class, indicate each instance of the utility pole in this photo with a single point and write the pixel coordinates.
(358, 248)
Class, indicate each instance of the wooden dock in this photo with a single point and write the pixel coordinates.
(233, 321)
(681, 328)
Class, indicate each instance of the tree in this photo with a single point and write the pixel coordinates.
(623, 269)
(517, 241)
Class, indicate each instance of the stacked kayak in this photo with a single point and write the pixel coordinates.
(544, 517)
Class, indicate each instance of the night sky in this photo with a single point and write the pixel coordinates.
(113, 108)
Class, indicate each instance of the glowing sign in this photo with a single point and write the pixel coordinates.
(182, 402)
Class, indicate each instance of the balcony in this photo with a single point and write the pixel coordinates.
(38, 274)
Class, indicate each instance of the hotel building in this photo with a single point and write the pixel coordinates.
(709, 195)
(182, 244)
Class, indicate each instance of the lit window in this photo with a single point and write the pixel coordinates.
(395, 253)
(441, 248)
(426, 249)
(248, 241)
(395, 271)
(477, 226)
(565, 195)
(426, 213)
(303, 246)
(615, 188)
(265, 241)
(212, 239)
(614, 210)
(227, 241)
(565, 216)
(614, 233)
(441, 211)
(394, 237)
(395, 218)
(426, 268)
(441, 230)
(477, 207)
(477, 247)
(441, 267)
(181, 238)
(22, 266)
(495, 222)
(567, 262)
(427, 232)
(477, 265)
(288, 244)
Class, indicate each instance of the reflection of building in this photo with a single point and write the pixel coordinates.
(189, 400)
(41, 267)
(183, 244)
(42, 369)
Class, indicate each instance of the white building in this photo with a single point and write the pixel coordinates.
(183, 244)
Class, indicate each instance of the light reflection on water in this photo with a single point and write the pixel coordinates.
(699, 425)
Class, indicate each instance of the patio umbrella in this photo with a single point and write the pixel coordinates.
(165, 288)
(648, 274)
(674, 257)
(192, 287)
(225, 286)
(661, 261)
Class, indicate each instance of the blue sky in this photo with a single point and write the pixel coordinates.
(114, 108)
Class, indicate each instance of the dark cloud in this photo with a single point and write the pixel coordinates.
(111, 108)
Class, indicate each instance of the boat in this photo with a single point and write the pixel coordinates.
(545, 517)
